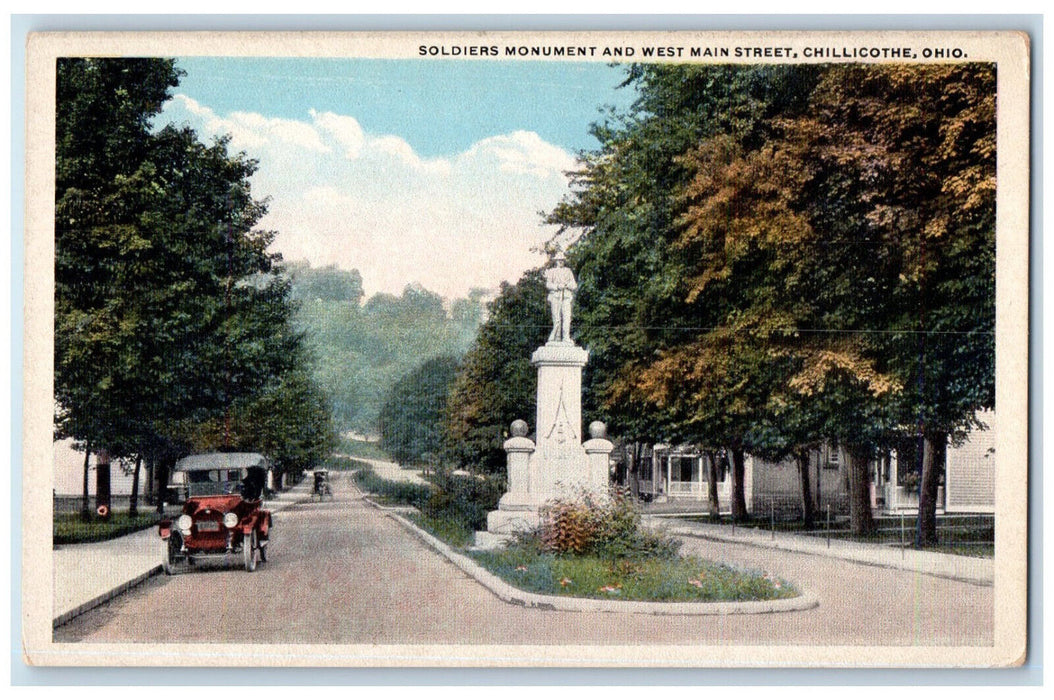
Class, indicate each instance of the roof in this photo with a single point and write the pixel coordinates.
(221, 460)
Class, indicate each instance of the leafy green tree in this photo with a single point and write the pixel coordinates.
(363, 349)
(412, 419)
(750, 250)
(496, 384)
(923, 138)
(774, 257)
(288, 421)
(328, 283)
(868, 223)
(103, 111)
(635, 279)
(168, 308)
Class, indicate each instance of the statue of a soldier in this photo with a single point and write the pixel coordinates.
(560, 282)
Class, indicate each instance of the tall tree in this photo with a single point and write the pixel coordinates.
(635, 287)
(103, 112)
(924, 136)
(288, 420)
(168, 308)
(495, 383)
(413, 418)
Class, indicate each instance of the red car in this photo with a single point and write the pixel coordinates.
(222, 516)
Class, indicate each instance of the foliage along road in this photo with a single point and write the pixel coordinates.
(341, 572)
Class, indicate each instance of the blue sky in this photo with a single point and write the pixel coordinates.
(439, 107)
(410, 171)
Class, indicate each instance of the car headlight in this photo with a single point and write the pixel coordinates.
(183, 523)
(230, 520)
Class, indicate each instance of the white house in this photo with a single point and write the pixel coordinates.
(679, 474)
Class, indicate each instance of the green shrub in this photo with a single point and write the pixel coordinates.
(464, 498)
(609, 528)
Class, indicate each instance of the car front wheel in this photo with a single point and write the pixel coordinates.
(170, 552)
(249, 550)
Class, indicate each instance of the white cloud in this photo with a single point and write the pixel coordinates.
(345, 130)
(522, 152)
(340, 195)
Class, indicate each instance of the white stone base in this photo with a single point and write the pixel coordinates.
(490, 540)
(504, 522)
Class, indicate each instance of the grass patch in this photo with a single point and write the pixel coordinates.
(982, 550)
(453, 531)
(393, 492)
(677, 579)
(69, 528)
(616, 560)
(362, 448)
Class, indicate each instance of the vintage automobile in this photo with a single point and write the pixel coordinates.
(221, 517)
(321, 487)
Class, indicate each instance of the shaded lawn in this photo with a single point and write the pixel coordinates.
(69, 528)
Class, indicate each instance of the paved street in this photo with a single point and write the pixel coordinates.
(343, 572)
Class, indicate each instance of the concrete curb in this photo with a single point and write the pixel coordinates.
(980, 579)
(387, 509)
(515, 596)
(274, 506)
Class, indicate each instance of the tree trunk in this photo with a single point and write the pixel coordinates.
(102, 482)
(133, 501)
(808, 511)
(149, 490)
(85, 508)
(739, 501)
(934, 452)
(711, 486)
(633, 454)
(861, 521)
(162, 470)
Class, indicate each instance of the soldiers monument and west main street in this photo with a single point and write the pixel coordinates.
(698, 359)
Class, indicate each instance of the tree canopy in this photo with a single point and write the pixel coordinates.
(495, 383)
(170, 308)
(363, 349)
(773, 256)
(413, 416)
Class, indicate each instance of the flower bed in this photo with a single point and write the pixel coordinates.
(659, 579)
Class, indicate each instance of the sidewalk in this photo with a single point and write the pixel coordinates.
(87, 575)
(950, 566)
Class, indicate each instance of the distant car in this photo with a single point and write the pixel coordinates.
(222, 516)
(321, 488)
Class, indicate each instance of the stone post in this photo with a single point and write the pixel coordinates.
(518, 451)
(598, 449)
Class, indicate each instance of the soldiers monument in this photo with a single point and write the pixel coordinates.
(557, 463)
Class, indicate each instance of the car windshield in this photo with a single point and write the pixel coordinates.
(212, 482)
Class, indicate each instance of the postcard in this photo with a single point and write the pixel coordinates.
(526, 349)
